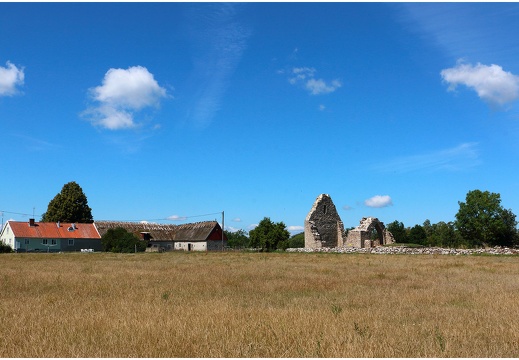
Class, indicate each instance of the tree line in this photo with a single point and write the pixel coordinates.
(480, 221)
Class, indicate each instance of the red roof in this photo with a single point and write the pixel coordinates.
(46, 230)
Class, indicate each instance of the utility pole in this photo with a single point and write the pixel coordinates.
(223, 226)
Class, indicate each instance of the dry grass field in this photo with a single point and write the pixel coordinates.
(258, 305)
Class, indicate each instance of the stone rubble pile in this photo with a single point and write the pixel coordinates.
(411, 250)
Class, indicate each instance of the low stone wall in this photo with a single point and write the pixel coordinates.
(411, 251)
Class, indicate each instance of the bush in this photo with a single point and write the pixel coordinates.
(120, 240)
(5, 248)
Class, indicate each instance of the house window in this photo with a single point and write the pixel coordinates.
(53, 242)
(45, 242)
(70, 242)
(26, 241)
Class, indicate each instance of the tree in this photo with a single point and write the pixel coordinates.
(120, 240)
(417, 235)
(70, 205)
(445, 235)
(237, 239)
(297, 241)
(481, 220)
(269, 236)
(398, 230)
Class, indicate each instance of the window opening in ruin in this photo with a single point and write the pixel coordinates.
(324, 209)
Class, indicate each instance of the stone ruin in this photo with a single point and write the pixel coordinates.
(325, 229)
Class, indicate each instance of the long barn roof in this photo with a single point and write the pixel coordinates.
(199, 231)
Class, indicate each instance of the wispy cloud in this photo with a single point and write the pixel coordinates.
(305, 77)
(11, 78)
(492, 84)
(476, 31)
(123, 93)
(379, 201)
(232, 229)
(347, 208)
(295, 228)
(176, 218)
(461, 157)
(237, 219)
(34, 144)
(219, 40)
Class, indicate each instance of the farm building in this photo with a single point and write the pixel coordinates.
(200, 236)
(32, 236)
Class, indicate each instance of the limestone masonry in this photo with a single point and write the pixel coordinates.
(325, 229)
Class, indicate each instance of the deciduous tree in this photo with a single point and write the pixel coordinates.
(481, 220)
(398, 230)
(237, 239)
(269, 235)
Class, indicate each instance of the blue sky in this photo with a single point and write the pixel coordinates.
(175, 110)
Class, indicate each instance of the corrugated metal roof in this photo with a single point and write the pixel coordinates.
(47, 230)
(199, 231)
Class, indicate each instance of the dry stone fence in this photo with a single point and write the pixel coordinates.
(325, 229)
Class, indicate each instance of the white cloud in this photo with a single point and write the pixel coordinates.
(122, 94)
(236, 219)
(319, 86)
(10, 78)
(176, 218)
(379, 201)
(492, 83)
(347, 208)
(252, 226)
(232, 229)
(305, 77)
(295, 228)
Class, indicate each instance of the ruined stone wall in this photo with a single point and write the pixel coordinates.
(360, 237)
(323, 225)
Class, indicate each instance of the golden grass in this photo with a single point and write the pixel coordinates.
(258, 305)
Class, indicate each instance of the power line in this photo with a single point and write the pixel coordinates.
(15, 213)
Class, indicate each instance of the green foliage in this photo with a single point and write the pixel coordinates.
(119, 240)
(481, 220)
(417, 235)
(297, 241)
(445, 235)
(70, 205)
(398, 230)
(237, 240)
(4, 248)
(269, 236)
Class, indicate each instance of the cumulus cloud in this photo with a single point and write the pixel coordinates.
(10, 78)
(305, 77)
(123, 93)
(491, 83)
(379, 201)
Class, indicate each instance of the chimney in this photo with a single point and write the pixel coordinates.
(31, 222)
(58, 224)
